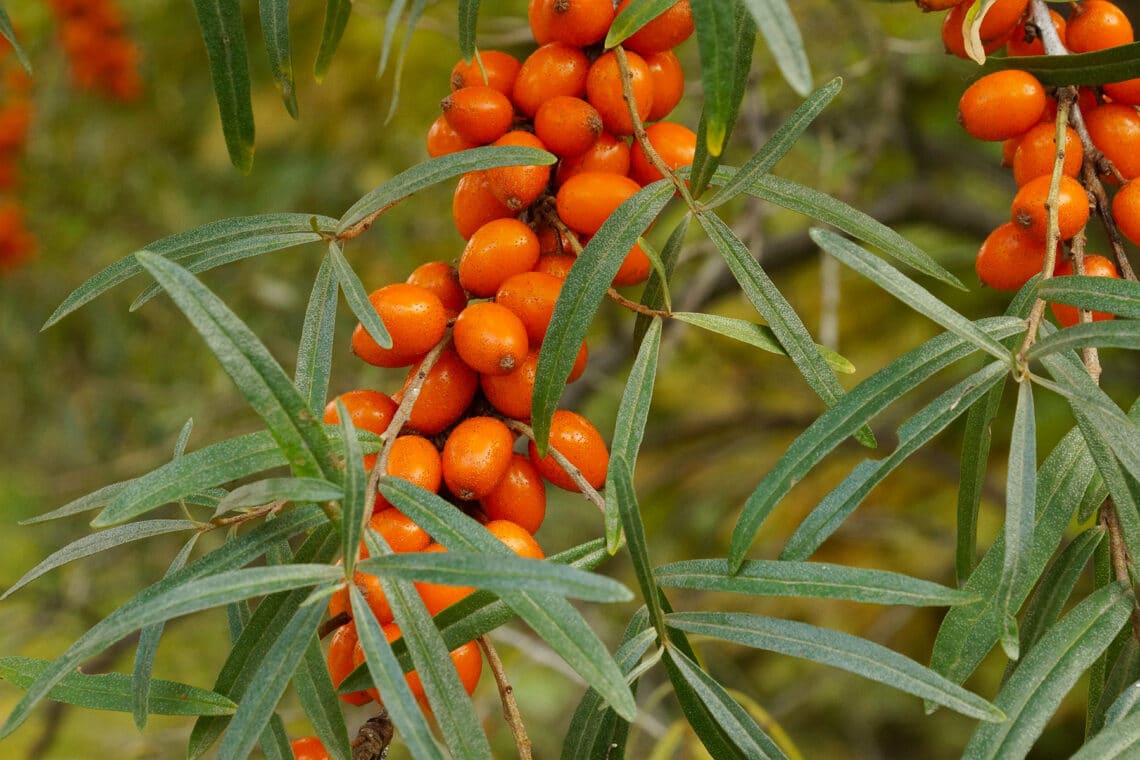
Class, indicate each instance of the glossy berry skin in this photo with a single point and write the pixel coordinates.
(499, 250)
(1035, 153)
(478, 114)
(475, 203)
(1115, 129)
(519, 497)
(501, 70)
(604, 91)
(1095, 266)
(668, 83)
(1001, 105)
(341, 644)
(1009, 257)
(467, 658)
(1097, 25)
(1126, 211)
(442, 139)
(416, 460)
(442, 279)
(579, 441)
(399, 531)
(511, 394)
(415, 320)
(1026, 41)
(308, 748)
(586, 200)
(554, 69)
(954, 41)
(1028, 207)
(675, 144)
(517, 538)
(438, 596)
(608, 155)
(666, 31)
(445, 395)
(517, 187)
(476, 456)
(575, 22)
(531, 296)
(490, 338)
(634, 269)
(368, 410)
(567, 126)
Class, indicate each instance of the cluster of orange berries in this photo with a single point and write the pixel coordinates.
(1012, 106)
(102, 57)
(16, 243)
(483, 321)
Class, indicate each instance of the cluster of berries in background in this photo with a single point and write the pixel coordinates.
(470, 333)
(102, 58)
(17, 244)
(1012, 106)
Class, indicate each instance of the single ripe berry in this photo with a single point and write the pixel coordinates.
(1028, 208)
(511, 394)
(475, 203)
(518, 539)
(1009, 257)
(531, 297)
(556, 264)
(1126, 92)
(480, 114)
(442, 279)
(442, 139)
(517, 187)
(668, 83)
(415, 320)
(554, 69)
(1036, 152)
(476, 456)
(604, 91)
(1126, 211)
(308, 748)
(1115, 129)
(416, 460)
(1095, 266)
(674, 143)
(492, 68)
(446, 393)
(467, 658)
(608, 155)
(440, 596)
(368, 410)
(498, 250)
(1026, 38)
(399, 531)
(574, 22)
(634, 269)
(490, 338)
(567, 126)
(1097, 25)
(586, 200)
(340, 662)
(1001, 105)
(519, 497)
(666, 31)
(576, 438)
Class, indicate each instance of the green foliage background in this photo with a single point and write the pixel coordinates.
(102, 396)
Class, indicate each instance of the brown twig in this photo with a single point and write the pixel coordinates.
(244, 517)
(333, 623)
(360, 227)
(507, 697)
(373, 738)
(575, 474)
(634, 306)
(1089, 354)
(1119, 555)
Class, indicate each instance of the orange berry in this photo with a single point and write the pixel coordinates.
(1027, 41)
(1001, 105)
(439, 596)
(476, 456)
(556, 264)
(415, 320)
(576, 438)
(467, 658)
(634, 269)
(519, 186)
(511, 394)
(953, 39)
(586, 200)
(666, 31)
(373, 594)
(308, 748)
(580, 362)
(1096, 25)
(442, 139)
(416, 460)
(1028, 209)
(369, 410)
(1086, 99)
(1126, 92)
(358, 659)
(1115, 129)
(1001, 18)
(668, 83)
(1126, 211)
(474, 204)
(398, 530)
(500, 68)
(568, 126)
(574, 22)
(480, 114)
(340, 662)
(518, 539)
(519, 497)
(1035, 153)
(489, 338)
(674, 143)
(608, 154)
(1095, 266)
(498, 250)
(604, 91)
(554, 69)
(1009, 257)
(531, 297)
(445, 394)
(442, 279)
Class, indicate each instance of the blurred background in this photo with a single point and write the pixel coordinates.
(102, 395)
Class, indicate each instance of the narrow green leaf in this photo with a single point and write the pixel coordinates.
(336, 19)
(8, 33)
(275, 31)
(830, 513)
(760, 336)
(824, 208)
(817, 580)
(906, 290)
(93, 500)
(141, 683)
(785, 323)
(355, 489)
(357, 298)
(1123, 669)
(629, 424)
(969, 632)
(633, 17)
(1119, 297)
(1049, 670)
(714, 20)
(224, 35)
(256, 373)
(391, 20)
(437, 170)
(274, 741)
(414, 14)
(733, 720)
(498, 574)
(656, 292)
(582, 293)
(273, 676)
(1115, 333)
(1118, 740)
(778, 25)
(1114, 64)
(783, 138)
(551, 617)
(240, 237)
(314, 354)
(318, 698)
(858, 406)
(467, 16)
(621, 478)
(388, 677)
(99, 542)
(971, 478)
(280, 489)
(1020, 503)
(837, 649)
(112, 691)
(1124, 705)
